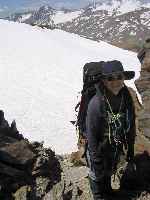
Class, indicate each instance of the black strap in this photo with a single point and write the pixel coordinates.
(98, 90)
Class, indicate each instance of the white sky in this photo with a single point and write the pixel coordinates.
(41, 75)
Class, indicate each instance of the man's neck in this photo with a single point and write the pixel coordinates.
(112, 92)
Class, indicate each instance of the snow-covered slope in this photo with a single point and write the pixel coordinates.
(61, 16)
(41, 75)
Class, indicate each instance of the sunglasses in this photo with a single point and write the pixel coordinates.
(113, 77)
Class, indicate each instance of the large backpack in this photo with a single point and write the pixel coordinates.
(91, 76)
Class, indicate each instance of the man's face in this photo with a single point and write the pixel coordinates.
(114, 85)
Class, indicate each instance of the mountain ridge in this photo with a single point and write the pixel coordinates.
(116, 29)
(124, 29)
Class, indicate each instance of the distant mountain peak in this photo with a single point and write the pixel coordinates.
(46, 8)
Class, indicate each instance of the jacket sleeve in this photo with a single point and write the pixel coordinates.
(93, 128)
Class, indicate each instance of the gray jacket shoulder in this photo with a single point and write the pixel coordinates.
(94, 105)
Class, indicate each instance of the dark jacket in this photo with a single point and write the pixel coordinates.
(98, 144)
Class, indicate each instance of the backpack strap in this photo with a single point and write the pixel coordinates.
(102, 99)
(98, 90)
(103, 110)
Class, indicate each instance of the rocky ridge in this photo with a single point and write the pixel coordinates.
(28, 171)
(144, 89)
(122, 30)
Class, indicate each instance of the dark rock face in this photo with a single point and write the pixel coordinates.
(138, 178)
(17, 153)
(27, 171)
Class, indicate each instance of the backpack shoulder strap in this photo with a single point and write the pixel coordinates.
(103, 110)
(98, 90)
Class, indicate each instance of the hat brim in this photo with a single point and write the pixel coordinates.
(127, 75)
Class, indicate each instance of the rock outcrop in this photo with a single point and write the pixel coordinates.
(143, 85)
(27, 170)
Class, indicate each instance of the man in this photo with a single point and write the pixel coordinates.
(110, 127)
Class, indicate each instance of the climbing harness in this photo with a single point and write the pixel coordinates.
(117, 131)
